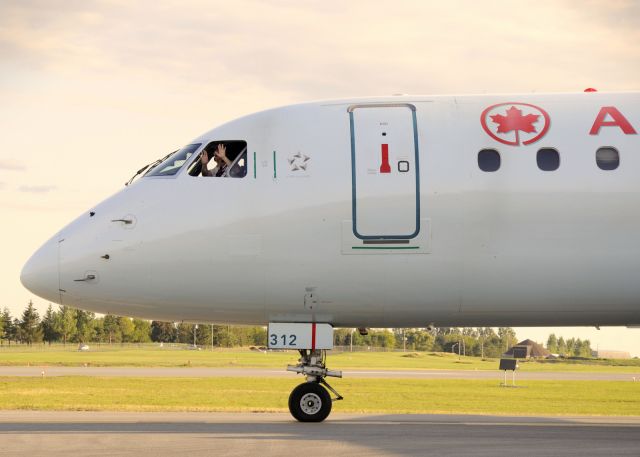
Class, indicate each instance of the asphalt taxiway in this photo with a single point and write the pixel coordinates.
(55, 434)
(204, 372)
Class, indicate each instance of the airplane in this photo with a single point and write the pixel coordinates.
(399, 211)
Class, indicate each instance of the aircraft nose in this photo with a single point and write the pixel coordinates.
(40, 273)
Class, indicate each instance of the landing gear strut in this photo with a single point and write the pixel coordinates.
(310, 401)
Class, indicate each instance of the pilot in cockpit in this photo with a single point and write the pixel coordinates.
(221, 159)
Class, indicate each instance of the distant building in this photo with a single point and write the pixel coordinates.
(606, 354)
(527, 349)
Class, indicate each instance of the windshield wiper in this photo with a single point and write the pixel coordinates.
(140, 171)
(148, 167)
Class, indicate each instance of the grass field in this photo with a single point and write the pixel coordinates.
(271, 394)
(154, 356)
(361, 395)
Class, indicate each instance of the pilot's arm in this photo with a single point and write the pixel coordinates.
(204, 160)
(221, 152)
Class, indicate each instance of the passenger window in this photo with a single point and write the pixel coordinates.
(489, 160)
(224, 159)
(607, 158)
(548, 159)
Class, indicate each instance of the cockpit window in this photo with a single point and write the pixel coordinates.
(221, 159)
(239, 167)
(173, 163)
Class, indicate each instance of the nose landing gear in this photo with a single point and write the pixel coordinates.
(310, 401)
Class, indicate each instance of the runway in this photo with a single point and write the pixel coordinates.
(202, 372)
(54, 434)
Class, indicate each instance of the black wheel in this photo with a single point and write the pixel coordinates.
(310, 402)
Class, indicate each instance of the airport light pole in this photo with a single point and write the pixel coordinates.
(195, 328)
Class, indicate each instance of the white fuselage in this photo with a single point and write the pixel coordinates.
(436, 240)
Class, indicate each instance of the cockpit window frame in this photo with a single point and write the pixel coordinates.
(240, 156)
(196, 152)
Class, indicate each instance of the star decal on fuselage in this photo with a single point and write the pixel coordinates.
(299, 161)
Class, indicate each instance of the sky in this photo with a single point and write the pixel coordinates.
(92, 90)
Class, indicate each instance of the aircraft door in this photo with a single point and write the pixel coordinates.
(385, 171)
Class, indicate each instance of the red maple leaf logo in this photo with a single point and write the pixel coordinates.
(514, 120)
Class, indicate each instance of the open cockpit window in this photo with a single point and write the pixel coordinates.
(171, 165)
(221, 159)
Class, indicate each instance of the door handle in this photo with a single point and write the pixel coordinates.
(86, 278)
(126, 221)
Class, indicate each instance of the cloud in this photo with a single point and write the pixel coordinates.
(330, 49)
(37, 189)
(11, 165)
(618, 14)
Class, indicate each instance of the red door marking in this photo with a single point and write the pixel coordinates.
(385, 167)
(313, 336)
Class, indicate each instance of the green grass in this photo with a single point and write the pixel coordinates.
(154, 356)
(361, 395)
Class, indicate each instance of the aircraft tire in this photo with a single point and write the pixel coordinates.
(310, 402)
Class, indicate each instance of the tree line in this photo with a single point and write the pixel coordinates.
(479, 342)
(69, 325)
(573, 347)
